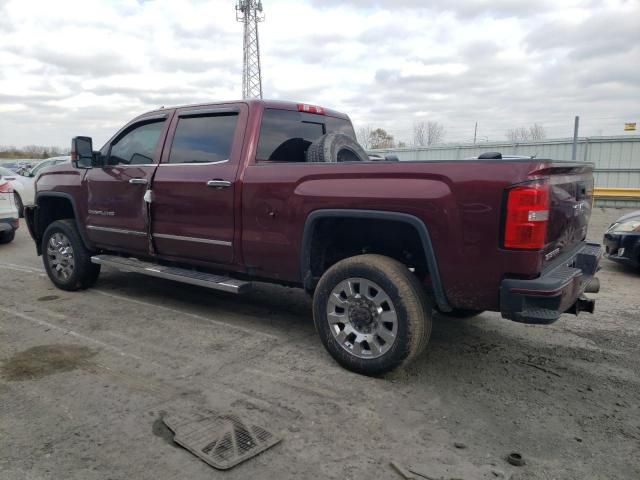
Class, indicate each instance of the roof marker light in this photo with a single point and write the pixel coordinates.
(304, 107)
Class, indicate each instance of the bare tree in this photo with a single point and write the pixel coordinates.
(379, 138)
(428, 133)
(31, 151)
(537, 132)
(435, 133)
(518, 134)
(525, 134)
(364, 137)
(420, 134)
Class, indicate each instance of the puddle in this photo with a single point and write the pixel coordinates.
(44, 360)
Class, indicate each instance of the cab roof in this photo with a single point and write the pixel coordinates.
(255, 103)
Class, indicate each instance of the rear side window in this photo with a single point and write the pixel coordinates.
(285, 135)
(203, 139)
(137, 146)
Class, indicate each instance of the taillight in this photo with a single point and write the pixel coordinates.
(5, 187)
(303, 107)
(527, 216)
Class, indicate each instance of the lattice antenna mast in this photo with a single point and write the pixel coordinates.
(250, 13)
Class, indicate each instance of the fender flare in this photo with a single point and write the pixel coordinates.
(71, 200)
(415, 222)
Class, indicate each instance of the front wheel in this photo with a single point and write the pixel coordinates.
(372, 314)
(66, 259)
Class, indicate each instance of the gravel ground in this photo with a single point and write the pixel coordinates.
(86, 377)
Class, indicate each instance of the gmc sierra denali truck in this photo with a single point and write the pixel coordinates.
(224, 194)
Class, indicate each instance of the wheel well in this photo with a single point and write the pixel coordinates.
(51, 209)
(334, 239)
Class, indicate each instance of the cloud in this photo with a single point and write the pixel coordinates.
(463, 9)
(386, 63)
(601, 35)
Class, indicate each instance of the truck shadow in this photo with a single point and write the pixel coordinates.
(482, 341)
(280, 307)
(478, 351)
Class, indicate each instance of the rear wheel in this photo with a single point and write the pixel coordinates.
(372, 314)
(66, 259)
(7, 237)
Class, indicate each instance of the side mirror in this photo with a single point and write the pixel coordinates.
(82, 152)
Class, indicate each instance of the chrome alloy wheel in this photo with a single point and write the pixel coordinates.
(60, 256)
(362, 318)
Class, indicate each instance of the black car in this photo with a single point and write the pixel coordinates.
(622, 240)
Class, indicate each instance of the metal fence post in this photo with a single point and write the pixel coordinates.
(575, 138)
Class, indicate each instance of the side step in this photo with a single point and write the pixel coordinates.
(208, 280)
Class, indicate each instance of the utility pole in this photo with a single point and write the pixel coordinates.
(249, 12)
(475, 133)
(574, 150)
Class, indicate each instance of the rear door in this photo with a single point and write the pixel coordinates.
(117, 215)
(195, 187)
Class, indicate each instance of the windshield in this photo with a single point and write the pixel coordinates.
(5, 172)
(40, 166)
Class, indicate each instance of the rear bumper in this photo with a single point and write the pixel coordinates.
(623, 248)
(9, 224)
(558, 290)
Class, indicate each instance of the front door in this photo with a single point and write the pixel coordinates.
(117, 215)
(195, 185)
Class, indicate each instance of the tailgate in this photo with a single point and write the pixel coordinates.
(571, 199)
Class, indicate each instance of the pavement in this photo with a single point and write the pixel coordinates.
(86, 378)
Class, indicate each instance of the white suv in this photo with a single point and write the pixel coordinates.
(8, 213)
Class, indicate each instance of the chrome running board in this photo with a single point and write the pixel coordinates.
(192, 277)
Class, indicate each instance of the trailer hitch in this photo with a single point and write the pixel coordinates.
(583, 304)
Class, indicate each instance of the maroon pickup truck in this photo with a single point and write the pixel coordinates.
(224, 194)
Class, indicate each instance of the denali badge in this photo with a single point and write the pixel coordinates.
(104, 213)
(552, 254)
(579, 208)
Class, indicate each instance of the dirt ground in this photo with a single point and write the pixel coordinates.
(86, 377)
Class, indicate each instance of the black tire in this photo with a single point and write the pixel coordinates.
(461, 313)
(84, 273)
(336, 147)
(7, 237)
(19, 204)
(413, 312)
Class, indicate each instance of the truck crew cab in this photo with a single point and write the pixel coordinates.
(220, 195)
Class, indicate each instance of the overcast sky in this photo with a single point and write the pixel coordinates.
(86, 67)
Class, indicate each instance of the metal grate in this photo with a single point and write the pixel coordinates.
(222, 441)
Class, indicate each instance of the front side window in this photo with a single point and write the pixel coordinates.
(137, 146)
(285, 135)
(203, 139)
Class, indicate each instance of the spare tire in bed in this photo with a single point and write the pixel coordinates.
(336, 147)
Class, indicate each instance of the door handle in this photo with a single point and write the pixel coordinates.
(217, 183)
(138, 181)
